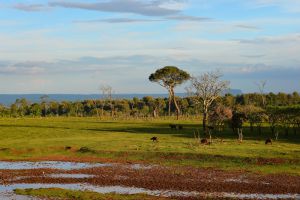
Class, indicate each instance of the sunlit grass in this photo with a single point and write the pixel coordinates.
(30, 138)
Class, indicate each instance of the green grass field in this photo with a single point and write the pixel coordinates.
(129, 140)
(81, 195)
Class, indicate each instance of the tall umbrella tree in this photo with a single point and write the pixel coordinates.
(169, 77)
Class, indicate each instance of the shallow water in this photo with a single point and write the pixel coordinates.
(99, 189)
(6, 191)
(133, 190)
(49, 165)
(140, 166)
(70, 176)
(236, 180)
(13, 196)
(62, 165)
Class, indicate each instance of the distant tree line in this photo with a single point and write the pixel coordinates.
(151, 107)
(145, 107)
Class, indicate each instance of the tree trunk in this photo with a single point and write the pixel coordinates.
(112, 110)
(176, 105)
(240, 133)
(155, 112)
(204, 120)
(97, 111)
(76, 112)
(170, 100)
(276, 135)
(45, 110)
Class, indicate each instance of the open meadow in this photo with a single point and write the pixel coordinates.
(176, 162)
(123, 140)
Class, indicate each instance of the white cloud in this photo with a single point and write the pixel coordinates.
(248, 27)
(287, 5)
(13, 69)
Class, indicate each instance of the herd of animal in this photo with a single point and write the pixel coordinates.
(202, 141)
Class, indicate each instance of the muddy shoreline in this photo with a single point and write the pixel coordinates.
(193, 181)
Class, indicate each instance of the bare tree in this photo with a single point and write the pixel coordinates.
(261, 87)
(205, 89)
(107, 93)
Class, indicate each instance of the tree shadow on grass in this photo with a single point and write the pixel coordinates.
(201, 157)
(94, 122)
(188, 132)
(164, 129)
(32, 126)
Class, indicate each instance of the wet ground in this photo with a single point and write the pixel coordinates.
(179, 182)
(49, 164)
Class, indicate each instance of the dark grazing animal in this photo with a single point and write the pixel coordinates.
(268, 141)
(172, 126)
(154, 139)
(204, 141)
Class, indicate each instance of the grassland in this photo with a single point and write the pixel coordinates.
(129, 141)
(81, 195)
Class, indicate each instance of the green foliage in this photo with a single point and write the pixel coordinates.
(169, 76)
(280, 99)
(237, 119)
(284, 117)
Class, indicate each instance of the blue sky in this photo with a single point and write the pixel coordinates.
(75, 46)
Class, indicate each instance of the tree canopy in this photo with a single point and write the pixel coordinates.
(169, 76)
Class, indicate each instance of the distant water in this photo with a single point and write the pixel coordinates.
(8, 99)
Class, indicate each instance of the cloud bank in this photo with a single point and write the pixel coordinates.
(31, 7)
(146, 8)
